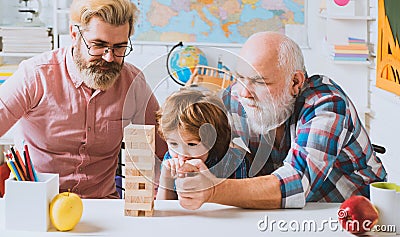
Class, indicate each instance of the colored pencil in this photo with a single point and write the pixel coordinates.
(21, 162)
(35, 178)
(28, 176)
(18, 163)
(12, 169)
(17, 176)
(29, 163)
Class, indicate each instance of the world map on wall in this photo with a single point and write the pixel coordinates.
(217, 21)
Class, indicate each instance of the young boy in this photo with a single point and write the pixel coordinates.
(195, 126)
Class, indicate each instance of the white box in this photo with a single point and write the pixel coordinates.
(27, 203)
(335, 10)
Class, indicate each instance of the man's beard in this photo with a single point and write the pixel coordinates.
(264, 116)
(93, 76)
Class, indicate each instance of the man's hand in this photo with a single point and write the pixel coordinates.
(198, 187)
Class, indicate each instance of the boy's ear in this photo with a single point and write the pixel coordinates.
(297, 83)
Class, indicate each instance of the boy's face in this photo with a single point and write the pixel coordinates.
(185, 147)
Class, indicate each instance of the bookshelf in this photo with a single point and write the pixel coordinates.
(340, 25)
(61, 22)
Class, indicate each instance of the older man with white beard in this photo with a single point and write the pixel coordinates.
(306, 140)
(72, 103)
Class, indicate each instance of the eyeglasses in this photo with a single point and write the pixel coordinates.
(100, 49)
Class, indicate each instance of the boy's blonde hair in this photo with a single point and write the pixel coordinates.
(188, 110)
(114, 12)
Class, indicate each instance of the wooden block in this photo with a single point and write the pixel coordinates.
(139, 206)
(146, 185)
(132, 172)
(139, 145)
(143, 193)
(139, 166)
(134, 129)
(139, 213)
(134, 159)
(139, 133)
(140, 152)
(136, 179)
(138, 199)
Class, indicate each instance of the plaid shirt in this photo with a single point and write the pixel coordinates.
(325, 155)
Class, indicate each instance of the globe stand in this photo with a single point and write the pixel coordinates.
(167, 63)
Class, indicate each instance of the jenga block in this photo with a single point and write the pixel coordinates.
(139, 133)
(136, 179)
(138, 213)
(139, 199)
(134, 159)
(134, 129)
(132, 172)
(143, 193)
(134, 144)
(140, 152)
(140, 165)
(139, 206)
(146, 185)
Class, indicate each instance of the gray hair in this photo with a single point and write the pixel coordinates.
(290, 57)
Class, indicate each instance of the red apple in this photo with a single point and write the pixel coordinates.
(357, 214)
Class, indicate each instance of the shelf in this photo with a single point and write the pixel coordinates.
(22, 55)
(337, 17)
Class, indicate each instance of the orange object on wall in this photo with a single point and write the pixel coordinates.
(388, 58)
(4, 174)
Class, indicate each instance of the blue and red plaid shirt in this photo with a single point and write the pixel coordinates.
(325, 155)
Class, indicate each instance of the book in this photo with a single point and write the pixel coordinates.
(26, 49)
(351, 47)
(357, 51)
(31, 32)
(351, 55)
(349, 59)
(356, 40)
(31, 40)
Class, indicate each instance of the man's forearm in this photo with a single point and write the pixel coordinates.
(259, 193)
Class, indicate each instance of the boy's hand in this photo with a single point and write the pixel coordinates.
(195, 190)
(171, 166)
(187, 170)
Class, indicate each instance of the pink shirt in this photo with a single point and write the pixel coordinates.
(70, 130)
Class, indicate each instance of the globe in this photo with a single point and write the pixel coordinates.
(183, 62)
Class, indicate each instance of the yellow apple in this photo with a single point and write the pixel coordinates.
(65, 211)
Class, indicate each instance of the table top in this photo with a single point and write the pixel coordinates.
(106, 218)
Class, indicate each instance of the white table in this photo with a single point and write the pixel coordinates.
(106, 218)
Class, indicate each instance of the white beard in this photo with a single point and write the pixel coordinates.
(270, 114)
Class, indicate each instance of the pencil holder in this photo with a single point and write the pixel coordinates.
(27, 203)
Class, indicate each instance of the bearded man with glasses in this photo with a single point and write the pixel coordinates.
(71, 104)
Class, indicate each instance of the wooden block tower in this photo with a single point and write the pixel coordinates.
(139, 169)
